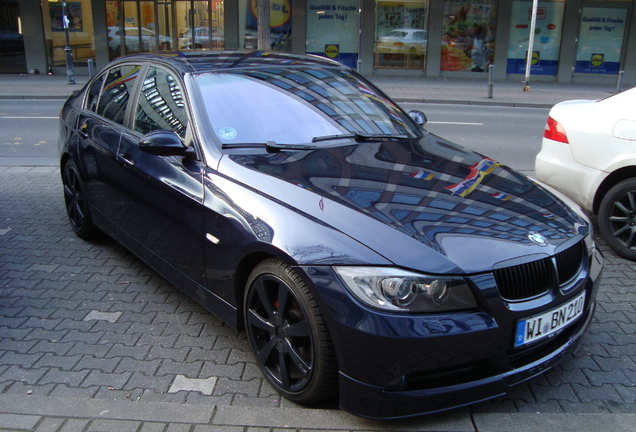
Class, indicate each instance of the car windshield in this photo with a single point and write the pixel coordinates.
(295, 106)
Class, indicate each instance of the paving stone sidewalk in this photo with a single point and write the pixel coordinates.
(91, 339)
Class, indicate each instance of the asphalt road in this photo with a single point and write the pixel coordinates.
(509, 135)
(28, 129)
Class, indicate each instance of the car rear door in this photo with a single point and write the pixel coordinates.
(100, 126)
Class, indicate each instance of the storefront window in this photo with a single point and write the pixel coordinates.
(400, 34)
(547, 37)
(280, 24)
(78, 25)
(468, 42)
(139, 30)
(12, 56)
(600, 40)
(163, 26)
(200, 24)
(333, 29)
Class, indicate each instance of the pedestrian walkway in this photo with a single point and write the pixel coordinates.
(402, 89)
(92, 340)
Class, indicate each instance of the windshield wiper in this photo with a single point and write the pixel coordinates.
(270, 146)
(359, 137)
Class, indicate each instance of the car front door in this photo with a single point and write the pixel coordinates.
(162, 209)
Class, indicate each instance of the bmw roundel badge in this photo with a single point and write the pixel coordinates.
(537, 239)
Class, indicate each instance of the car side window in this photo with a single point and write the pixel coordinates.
(93, 94)
(161, 104)
(116, 92)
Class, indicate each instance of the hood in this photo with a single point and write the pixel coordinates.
(458, 205)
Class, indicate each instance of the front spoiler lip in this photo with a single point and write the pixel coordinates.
(377, 403)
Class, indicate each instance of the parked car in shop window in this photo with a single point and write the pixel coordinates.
(203, 38)
(131, 38)
(403, 41)
(589, 154)
(362, 255)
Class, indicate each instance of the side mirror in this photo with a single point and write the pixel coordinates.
(418, 117)
(165, 143)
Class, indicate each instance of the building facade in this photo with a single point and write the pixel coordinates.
(574, 40)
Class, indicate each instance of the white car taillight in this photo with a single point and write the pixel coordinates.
(554, 131)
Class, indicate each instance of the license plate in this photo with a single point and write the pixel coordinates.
(541, 326)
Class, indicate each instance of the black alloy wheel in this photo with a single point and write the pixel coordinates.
(617, 218)
(76, 203)
(288, 334)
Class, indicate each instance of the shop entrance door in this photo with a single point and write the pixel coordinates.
(602, 34)
(12, 57)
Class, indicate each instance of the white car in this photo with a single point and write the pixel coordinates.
(148, 39)
(203, 38)
(404, 41)
(589, 154)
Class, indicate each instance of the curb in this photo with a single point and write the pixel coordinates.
(29, 412)
(396, 99)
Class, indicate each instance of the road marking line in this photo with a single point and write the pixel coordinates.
(13, 117)
(456, 123)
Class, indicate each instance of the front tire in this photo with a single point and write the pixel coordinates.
(76, 203)
(288, 334)
(617, 218)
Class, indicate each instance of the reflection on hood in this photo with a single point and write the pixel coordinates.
(428, 189)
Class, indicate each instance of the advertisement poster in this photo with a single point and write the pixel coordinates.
(73, 14)
(280, 24)
(468, 40)
(333, 29)
(600, 40)
(547, 37)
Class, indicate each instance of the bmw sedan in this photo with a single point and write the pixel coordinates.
(588, 154)
(363, 256)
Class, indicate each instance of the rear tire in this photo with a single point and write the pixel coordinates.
(77, 207)
(288, 334)
(617, 218)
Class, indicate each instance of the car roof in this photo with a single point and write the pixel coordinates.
(204, 61)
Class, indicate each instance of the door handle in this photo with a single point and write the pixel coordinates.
(83, 131)
(125, 159)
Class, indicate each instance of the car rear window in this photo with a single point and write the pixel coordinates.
(116, 92)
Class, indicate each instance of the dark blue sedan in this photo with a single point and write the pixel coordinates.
(362, 255)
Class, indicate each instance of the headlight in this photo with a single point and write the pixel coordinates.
(401, 291)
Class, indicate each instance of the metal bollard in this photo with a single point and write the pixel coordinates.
(91, 68)
(491, 80)
(619, 84)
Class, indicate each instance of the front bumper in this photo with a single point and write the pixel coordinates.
(376, 402)
(400, 365)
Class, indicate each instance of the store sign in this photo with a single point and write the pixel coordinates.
(333, 29)
(279, 14)
(600, 40)
(547, 38)
(332, 51)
